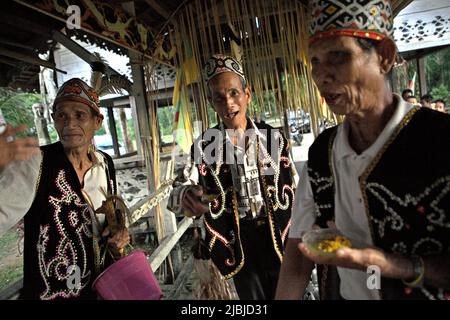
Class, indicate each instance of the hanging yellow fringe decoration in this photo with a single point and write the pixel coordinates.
(270, 39)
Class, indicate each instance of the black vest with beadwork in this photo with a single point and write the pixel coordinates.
(222, 220)
(58, 247)
(407, 196)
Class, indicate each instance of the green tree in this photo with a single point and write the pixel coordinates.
(16, 107)
(437, 67)
(441, 92)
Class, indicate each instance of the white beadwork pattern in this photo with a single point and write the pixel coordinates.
(55, 269)
(400, 248)
(215, 175)
(276, 167)
(322, 184)
(427, 242)
(389, 200)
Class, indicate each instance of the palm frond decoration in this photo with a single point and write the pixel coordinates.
(114, 84)
(107, 84)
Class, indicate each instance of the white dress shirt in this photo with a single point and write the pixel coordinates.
(350, 214)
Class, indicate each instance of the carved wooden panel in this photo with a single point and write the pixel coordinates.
(423, 25)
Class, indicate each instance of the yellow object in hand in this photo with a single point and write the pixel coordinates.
(332, 245)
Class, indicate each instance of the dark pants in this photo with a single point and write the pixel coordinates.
(257, 280)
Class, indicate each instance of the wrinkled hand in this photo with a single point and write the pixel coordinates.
(118, 241)
(18, 149)
(350, 258)
(391, 265)
(192, 204)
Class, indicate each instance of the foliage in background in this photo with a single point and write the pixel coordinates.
(11, 267)
(16, 107)
(166, 119)
(437, 67)
(441, 92)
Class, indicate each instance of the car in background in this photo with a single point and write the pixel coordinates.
(105, 143)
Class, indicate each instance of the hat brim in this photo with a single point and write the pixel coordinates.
(366, 34)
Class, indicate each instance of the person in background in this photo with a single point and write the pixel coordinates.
(412, 100)
(439, 105)
(252, 180)
(407, 93)
(426, 101)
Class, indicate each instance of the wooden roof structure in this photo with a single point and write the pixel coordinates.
(25, 31)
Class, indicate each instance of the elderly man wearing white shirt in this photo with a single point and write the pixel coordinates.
(381, 177)
(56, 189)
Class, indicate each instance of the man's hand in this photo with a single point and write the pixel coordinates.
(16, 149)
(117, 242)
(391, 265)
(192, 204)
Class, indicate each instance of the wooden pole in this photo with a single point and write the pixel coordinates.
(422, 75)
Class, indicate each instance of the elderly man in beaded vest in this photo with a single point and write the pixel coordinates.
(246, 171)
(382, 177)
(56, 188)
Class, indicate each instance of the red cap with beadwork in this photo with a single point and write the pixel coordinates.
(77, 90)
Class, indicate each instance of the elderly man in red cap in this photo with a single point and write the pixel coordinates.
(57, 188)
(246, 167)
(382, 177)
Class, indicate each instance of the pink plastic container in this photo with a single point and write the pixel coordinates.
(130, 278)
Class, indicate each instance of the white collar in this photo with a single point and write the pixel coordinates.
(99, 159)
(252, 126)
(342, 148)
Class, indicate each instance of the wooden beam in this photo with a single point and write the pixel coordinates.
(24, 24)
(9, 62)
(158, 8)
(113, 130)
(28, 72)
(79, 50)
(422, 76)
(140, 104)
(15, 44)
(164, 248)
(29, 59)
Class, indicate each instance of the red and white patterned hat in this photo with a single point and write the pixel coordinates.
(77, 90)
(370, 19)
